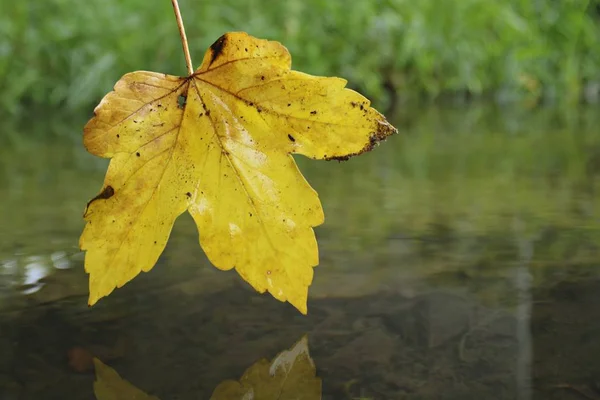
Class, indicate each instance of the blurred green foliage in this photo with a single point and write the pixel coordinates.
(65, 54)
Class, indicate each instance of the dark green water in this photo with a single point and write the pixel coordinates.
(459, 260)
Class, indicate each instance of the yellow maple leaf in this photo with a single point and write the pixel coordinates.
(218, 144)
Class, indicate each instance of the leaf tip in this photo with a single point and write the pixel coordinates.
(92, 299)
(381, 131)
(217, 48)
(97, 363)
(300, 305)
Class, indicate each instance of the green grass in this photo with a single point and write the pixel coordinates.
(65, 54)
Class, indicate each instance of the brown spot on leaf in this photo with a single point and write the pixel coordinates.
(382, 130)
(313, 112)
(106, 193)
(188, 194)
(216, 48)
(291, 138)
(137, 154)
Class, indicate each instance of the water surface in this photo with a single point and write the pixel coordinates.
(458, 261)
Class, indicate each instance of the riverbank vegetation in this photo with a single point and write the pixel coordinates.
(65, 54)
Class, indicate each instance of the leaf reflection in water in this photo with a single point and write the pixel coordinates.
(290, 375)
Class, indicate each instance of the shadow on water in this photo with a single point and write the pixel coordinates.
(458, 261)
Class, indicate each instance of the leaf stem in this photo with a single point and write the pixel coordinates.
(184, 42)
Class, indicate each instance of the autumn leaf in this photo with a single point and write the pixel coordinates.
(218, 144)
(291, 375)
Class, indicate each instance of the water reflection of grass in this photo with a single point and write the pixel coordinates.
(473, 173)
(455, 191)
